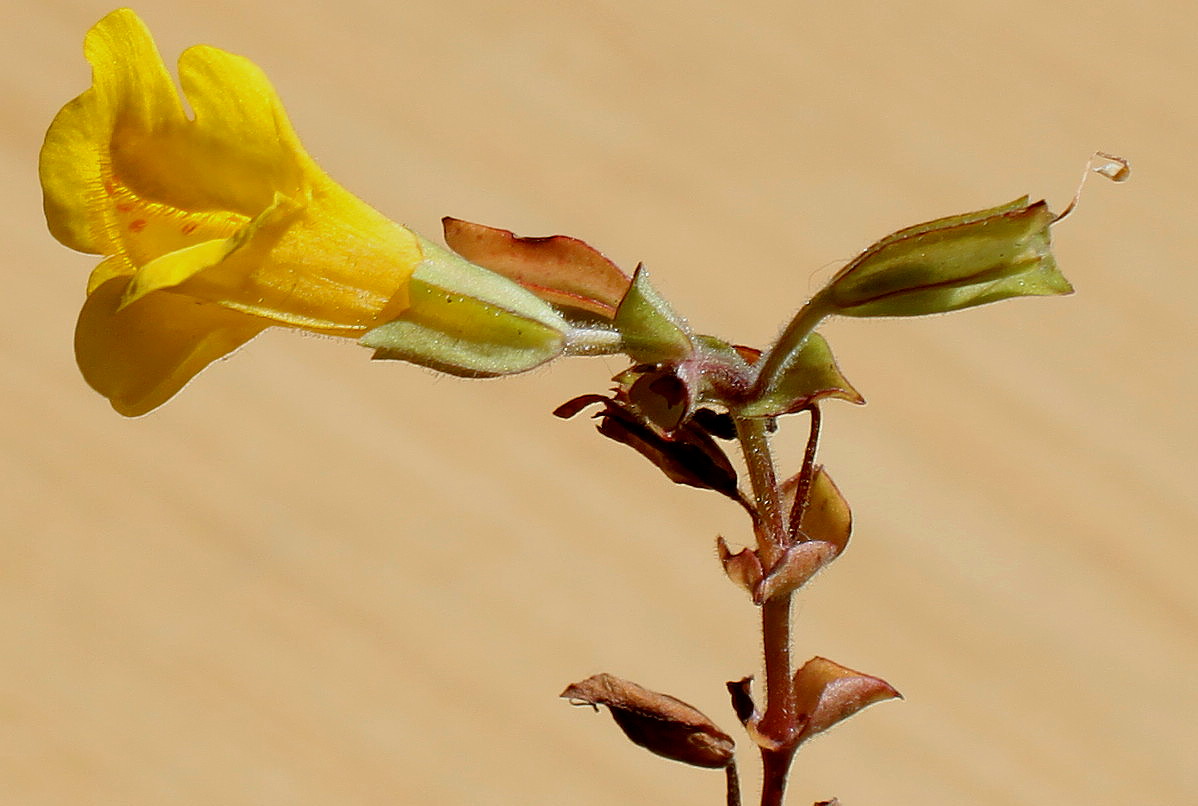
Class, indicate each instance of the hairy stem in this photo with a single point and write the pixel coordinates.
(759, 459)
(775, 769)
(806, 475)
(775, 531)
(733, 780)
(777, 724)
(774, 362)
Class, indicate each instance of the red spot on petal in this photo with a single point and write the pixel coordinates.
(125, 207)
(138, 225)
(189, 227)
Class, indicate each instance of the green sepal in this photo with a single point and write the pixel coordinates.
(952, 263)
(810, 374)
(465, 320)
(650, 331)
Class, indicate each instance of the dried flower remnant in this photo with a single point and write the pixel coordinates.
(689, 455)
(1109, 166)
(1113, 167)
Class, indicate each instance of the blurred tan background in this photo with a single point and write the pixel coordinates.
(314, 580)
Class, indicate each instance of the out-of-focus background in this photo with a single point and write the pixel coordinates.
(311, 579)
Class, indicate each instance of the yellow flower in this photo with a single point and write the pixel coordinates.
(212, 227)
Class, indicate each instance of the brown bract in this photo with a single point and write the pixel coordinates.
(826, 693)
(658, 722)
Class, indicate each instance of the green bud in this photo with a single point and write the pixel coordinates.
(952, 263)
(465, 320)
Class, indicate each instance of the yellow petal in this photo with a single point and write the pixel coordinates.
(334, 267)
(237, 152)
(243, 148)
(337, 267)
(131, 90)
(139, 356)
(175, 268)
(116, 266)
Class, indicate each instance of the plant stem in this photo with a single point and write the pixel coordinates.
(778, 723)
(592, 341)
(806, 475)
(775, 766)
(774, 362)
(771, 527)
(776, 531)
(733, 784)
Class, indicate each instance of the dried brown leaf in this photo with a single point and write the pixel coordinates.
(658, 722)
(743, 567)
(561, 270)
(689, 455)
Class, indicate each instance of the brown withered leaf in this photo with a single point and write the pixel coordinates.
(658, 722)
(743, 567)
(560, 270)
(827, 693)
(689, 455)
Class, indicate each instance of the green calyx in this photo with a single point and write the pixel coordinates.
(465, 320)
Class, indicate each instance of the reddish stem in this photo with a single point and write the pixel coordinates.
(733, 784)
(775, 766)
(777, 724)
(774, 533)
(806, 475)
